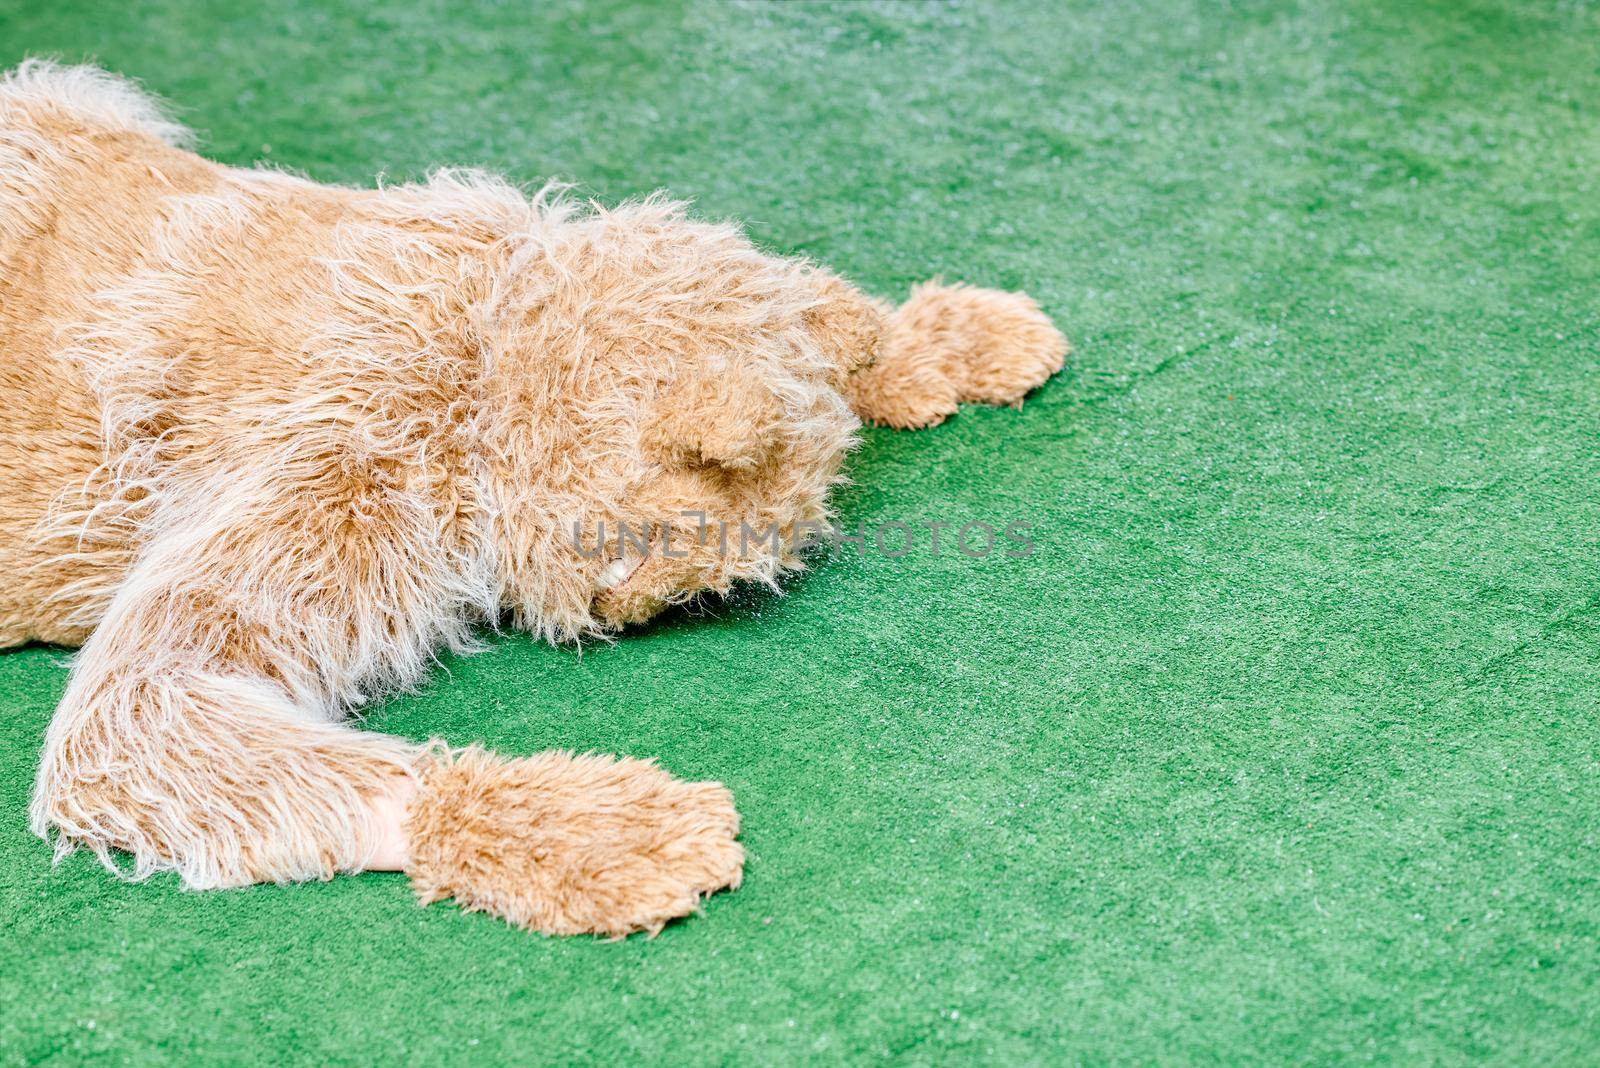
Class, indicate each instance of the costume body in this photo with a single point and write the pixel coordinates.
(270, 444)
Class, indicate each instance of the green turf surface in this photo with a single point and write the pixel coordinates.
(1282, 747)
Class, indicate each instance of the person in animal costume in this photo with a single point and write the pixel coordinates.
(270, 444)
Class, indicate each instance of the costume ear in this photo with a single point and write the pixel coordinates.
(722, 415)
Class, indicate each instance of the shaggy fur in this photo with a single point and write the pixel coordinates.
(271, 444)
(570, 844)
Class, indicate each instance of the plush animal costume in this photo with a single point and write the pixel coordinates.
(268, 444)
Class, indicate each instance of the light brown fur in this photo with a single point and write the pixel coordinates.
(571, 844)
(270, 444)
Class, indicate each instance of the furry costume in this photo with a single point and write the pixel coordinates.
(270, 443)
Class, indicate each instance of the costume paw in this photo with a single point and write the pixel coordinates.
(568, 844)
(949, 344)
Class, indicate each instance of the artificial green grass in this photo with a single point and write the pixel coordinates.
(1282, 747)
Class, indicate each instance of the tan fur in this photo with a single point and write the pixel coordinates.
(571, 844)
(954, 344)
(270, 444)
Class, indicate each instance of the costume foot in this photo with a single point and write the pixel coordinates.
(949, 344)
(569, 844)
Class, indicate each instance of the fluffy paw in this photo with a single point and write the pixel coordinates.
(569, 844)
(998, 345)
(949, 344)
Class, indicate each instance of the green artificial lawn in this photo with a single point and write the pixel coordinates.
(1281, 747)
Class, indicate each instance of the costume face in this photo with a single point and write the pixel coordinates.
(670, 398)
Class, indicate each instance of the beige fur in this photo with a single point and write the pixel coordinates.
(571, 844)
(270, 444)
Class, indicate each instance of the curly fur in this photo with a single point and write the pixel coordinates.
(275, 443)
